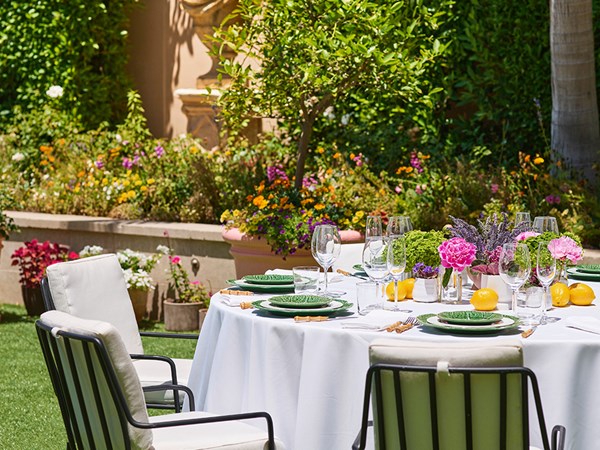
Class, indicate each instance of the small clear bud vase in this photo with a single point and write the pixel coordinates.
(452, 292)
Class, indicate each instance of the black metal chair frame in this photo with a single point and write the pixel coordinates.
(374, 382)
(91, 344)
(49, 305)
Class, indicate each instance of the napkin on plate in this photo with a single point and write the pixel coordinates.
(590, 324)
(376, 320)
(235, 300)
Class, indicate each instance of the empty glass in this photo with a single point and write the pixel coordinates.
(374, 263)
(523, 218)
(542, 224)
(366, 297)
(396, 262)
(398, 225)
(515, 267)
(306, 279)
(326, 245)
(374, 228)
(545, 271)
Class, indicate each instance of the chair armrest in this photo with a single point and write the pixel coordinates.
(558, 437)
(173, 368)
(356, 444)
(169, 335)
(174, 387)
(213, 419)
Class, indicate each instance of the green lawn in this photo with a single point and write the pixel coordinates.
(29, 413)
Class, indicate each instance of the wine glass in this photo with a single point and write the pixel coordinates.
(374, 228)
(546, 271)
(375, 264)
(542, 224)
(523, 217)
(514, 267)
(326, 245)
(396, 262)
(398, 225)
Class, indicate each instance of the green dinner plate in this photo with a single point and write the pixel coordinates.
(470, 317)
(588, 268)
(263, 288)
(300, 301)
(269, 279)
(576, 274)
(432, 321)
(359, 269)
(335, 306)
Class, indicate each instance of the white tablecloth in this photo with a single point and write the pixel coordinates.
(310, 376)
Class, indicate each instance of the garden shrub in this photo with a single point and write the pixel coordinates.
(79, 45)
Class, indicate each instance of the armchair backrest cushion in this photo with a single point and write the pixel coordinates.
(83, 400)
(449, 391)
(95, 288)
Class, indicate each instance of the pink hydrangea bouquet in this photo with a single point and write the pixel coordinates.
(565, 249)
(457, 253)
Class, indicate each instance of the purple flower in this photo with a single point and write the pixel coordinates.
(136, 160)
(276, 172)
(127, 163)
(358, 159)
(415, 162)
(159, 151)
(553, 199)
(421, 270)
(494, 188)
(99, 164)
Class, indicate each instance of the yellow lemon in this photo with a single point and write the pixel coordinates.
(484, 299)
(389, 290)
(560, 294)
(581, 294)
(409, 285)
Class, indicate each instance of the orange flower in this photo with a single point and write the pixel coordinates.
(336, 155)
(260, 202)
(527, 158)
(538, 160)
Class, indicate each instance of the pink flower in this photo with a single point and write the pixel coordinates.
(565, 248)
(526, 235)
(456, 253)
(418, 189)
(494, 188)
(175, 259)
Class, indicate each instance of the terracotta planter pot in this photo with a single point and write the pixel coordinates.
(34, 302)
(252, 255)
(139, 300)
(182, 316)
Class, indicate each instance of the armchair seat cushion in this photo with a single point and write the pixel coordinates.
(153, 373)
(219, 435)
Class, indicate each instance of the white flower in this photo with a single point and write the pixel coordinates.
(163, 249)
(345, 119)
(139, 279)
(328, 113)
(18, 157)
(55, 92)
(118, 138)
(90, 250)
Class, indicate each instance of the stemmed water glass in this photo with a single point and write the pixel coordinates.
(398, 225)
(541, 224)
(375, 264)
(326, 245)
(396, 262)
(514, 267)
(523, 217)
(546, 271)
(373, 228)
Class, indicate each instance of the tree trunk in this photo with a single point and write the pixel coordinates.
(305, 135)
(575, 132)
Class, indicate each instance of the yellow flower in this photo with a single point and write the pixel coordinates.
(538, 160)
(319, 206)
(320, 150)
(144, 188)
(194, 150)
(150, 181)
(130, 194)
(336, 155)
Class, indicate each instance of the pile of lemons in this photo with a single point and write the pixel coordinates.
(405, 289)
(579, 294)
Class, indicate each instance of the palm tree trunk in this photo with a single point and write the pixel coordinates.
(575, 131)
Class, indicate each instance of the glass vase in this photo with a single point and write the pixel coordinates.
(452, 293)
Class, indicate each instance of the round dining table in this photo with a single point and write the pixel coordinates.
(310, 376)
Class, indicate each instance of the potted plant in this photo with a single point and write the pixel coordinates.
(423, 260)
(33, 258)
(488, 237)
(274, 228)
(185, 311)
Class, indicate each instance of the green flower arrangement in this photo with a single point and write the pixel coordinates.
(422, 247)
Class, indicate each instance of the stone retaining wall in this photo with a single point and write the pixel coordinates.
(200, 241)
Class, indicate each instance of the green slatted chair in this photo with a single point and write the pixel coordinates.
(455, 396)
